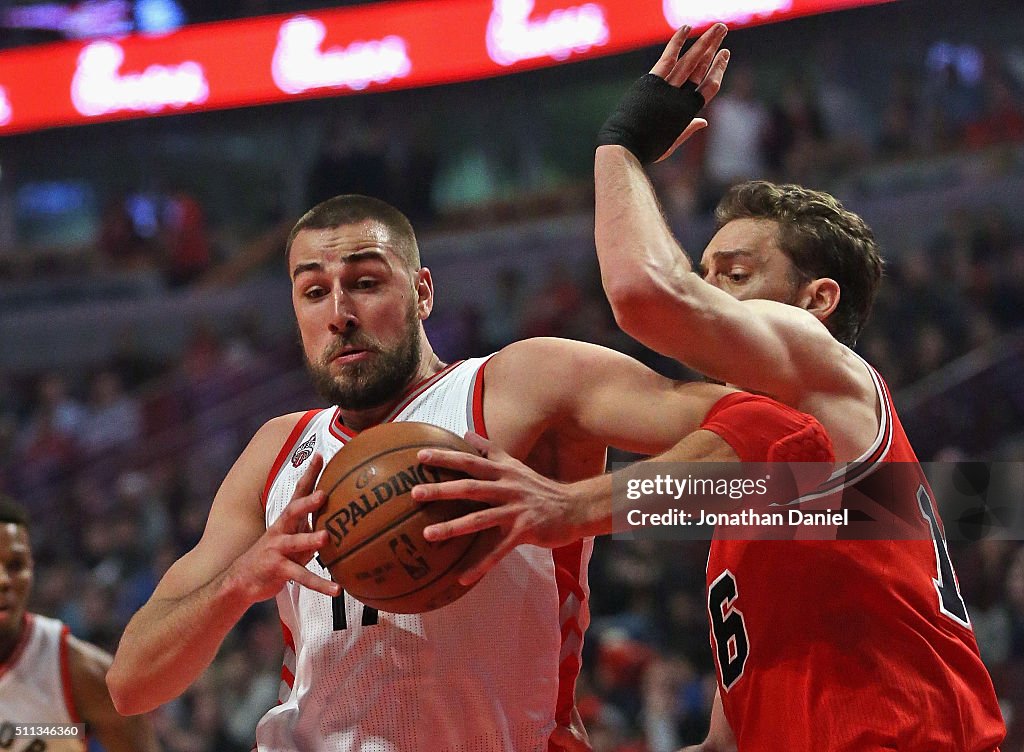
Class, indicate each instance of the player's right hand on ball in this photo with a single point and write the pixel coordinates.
(281, 553)
(528, 507)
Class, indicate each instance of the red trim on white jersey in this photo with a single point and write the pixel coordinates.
(65, 675)
(477, 413)
(418, 389)
(26, 633)
(338, 429)
(344, 433)
(286, 450)
(568, 562)
(286, 673)
(289, 641)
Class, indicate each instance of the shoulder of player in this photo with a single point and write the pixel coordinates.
(87, 671)
(246, 478)
(821, 362)
(86, 659)
(540, 355)
(551, 366)
(268, 440)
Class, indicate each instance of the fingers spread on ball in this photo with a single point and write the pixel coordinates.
(463, 462)
(473, 522)
(304, 577)
(295, 516)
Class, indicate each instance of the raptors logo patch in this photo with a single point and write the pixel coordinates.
(304, 451)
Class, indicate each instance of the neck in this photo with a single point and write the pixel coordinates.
(360, 420)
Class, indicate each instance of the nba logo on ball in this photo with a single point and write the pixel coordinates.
(405, 551)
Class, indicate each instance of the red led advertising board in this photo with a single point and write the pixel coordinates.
(373, 47)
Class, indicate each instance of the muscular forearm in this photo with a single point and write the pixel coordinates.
(601, 505)
(170, 642)
(641, 262)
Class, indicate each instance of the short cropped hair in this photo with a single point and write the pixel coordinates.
(12, 512)
(821, 238)
(351, 209)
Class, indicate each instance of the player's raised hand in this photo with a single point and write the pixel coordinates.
(658, 112)
(281, 553)
(528, 507)
(702, 65)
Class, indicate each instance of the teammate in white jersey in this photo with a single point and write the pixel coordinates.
(49, 680)
(493, 671)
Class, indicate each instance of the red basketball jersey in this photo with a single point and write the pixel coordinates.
(850, 644)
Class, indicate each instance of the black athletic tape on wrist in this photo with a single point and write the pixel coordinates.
(651, 115)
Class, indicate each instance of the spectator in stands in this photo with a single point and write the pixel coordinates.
(111, 418)
(1001, 119)
(120, 245)
(504, 309)
(352, 160)
(734, 146)
(185, 239)
(795, 140)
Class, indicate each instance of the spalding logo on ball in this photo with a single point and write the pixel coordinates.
(376, 550)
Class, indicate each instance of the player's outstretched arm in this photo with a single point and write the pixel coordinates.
(87, 666)
(530, 508)
(237, 563)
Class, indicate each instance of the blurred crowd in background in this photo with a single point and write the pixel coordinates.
(118, 458)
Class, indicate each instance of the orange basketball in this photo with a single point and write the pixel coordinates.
(376, 550)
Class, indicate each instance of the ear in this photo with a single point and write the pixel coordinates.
(424, 293)
(820, 297)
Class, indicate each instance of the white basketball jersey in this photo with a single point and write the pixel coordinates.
(491, 672)
(35, 688)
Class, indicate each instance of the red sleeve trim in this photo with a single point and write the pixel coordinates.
(478, 400)
(286, 450)
(65, 675)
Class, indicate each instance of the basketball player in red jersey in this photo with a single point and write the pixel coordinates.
(845, 645)
(47, 677)
(865, 644)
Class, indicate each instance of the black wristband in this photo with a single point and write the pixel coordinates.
(651, 115)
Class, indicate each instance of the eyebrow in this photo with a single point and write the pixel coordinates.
(733, 253)
(726, 256)
(351, 258)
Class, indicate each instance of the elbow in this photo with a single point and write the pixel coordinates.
(127, 699)
(645, 298)
(643, 312)
(632, 302)
(623, 290)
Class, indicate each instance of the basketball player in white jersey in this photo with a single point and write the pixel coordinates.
(48, 677)
(496, 669)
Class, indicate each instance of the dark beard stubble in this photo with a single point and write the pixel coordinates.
(369, 384)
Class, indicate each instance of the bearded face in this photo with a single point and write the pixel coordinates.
(371, 381)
